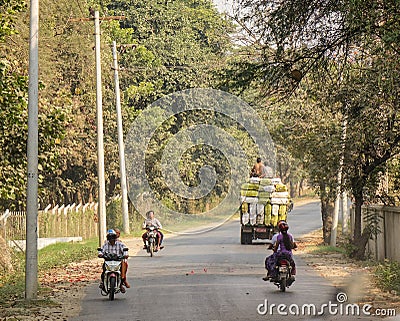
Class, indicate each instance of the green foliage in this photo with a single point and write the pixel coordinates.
(8, 13)
(388, 276)
(114, 214)
(178, 44)
(335, 61)
(162, 48)
(327, 249)
(13, 134)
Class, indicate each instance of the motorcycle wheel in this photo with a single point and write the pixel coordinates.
(112, 288)
(282, 285)
(151, 249)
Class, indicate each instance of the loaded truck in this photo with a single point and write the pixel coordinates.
(263, 203)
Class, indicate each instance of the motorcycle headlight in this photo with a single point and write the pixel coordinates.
(113, 266)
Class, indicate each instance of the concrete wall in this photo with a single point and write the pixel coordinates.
(384, 245)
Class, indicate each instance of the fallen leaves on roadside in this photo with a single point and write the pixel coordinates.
(85, 271)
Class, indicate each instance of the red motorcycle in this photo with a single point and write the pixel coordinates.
(283, 277)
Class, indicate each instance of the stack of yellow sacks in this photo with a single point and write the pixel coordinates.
(265, 197)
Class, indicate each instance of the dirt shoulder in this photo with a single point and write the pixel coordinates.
(355, 278)
(61, 290)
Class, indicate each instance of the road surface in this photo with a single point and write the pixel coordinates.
(211, 276)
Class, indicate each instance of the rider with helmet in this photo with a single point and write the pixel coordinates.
(283, 247)
(114, 246)
(152, 221)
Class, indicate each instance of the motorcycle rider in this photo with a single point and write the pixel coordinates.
(113, 245)
(270, 261)
(283, 247)
(152, 221)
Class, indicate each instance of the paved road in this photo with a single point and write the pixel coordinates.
(211, 276)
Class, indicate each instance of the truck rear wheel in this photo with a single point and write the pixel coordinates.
(245, 238)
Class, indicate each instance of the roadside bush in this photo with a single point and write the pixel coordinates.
(114, 214)
(388, 276)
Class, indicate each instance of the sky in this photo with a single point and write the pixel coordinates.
(223, 5)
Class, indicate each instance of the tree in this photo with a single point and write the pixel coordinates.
(176, 45)
(14, 114)
(169, 46)
(351, 44)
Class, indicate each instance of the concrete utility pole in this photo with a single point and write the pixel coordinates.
(125, 214)
(345, 214)
(31, 254)
(339, 181)
(100, 136)
(99, 113)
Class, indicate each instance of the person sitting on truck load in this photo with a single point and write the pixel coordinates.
(257, 170)
(283, 246)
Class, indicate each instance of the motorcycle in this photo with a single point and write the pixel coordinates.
(112, 274)
(151, 240)
(283, 273)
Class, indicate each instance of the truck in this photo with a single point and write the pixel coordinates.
(263, 203)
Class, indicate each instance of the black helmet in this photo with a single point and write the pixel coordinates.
(111, 235)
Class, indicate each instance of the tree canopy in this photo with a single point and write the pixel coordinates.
(343, 53)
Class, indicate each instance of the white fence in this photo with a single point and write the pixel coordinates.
(60, 221)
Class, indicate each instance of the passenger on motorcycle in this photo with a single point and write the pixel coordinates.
(152, 221)
(113, 245)
(283, 247)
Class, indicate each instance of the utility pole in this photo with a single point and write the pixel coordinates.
(31, 254)
(339, 182)
(100, 137)
(99, 115)
(125, 214)
(345, 214)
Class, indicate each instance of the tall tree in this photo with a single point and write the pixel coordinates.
(176, 45)
(13, 115)
(350, 43)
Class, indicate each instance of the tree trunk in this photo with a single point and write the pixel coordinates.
(111, 186)
(326, 212)
(359, 245)
(360, 238)
(292, 189)
(357, 215)
(301, 187)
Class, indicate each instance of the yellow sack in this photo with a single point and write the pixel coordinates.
(248, 193)
(280, 188)
(267, 213)
(250, 186)
(262, 194)
(282, 213)
(265, 181)
(274, 220)
(264, 200)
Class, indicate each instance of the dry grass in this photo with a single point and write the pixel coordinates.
(356, 278)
